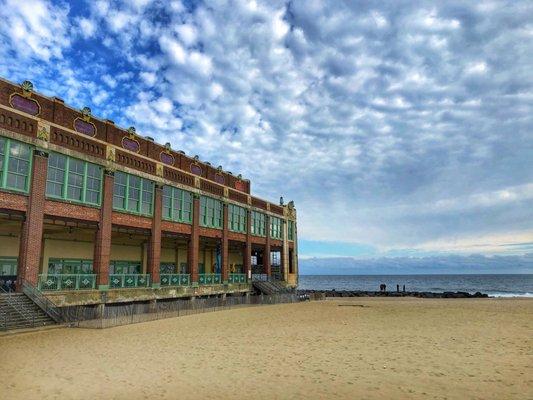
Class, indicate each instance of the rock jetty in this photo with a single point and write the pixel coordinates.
(316, 294)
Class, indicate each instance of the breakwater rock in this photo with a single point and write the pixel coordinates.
(317, 294)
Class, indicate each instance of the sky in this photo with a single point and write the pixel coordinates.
(401, 129)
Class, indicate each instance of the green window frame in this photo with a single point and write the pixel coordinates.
(290, 230)
(117, 267)
(258, 224)
(177, 204)
(276, 228)
(237, 218)
(74, 180)
(133, 194)
(15, 165)
(210, 212)
(64, 266)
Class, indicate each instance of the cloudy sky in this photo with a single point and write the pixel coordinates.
(400, 129)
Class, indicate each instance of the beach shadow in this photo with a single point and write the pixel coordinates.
(352, 305)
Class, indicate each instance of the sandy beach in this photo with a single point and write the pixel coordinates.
(336, 349)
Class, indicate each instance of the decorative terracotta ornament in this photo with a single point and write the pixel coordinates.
(23, 102)
(84, 124)
(129, 142)
(166, 156)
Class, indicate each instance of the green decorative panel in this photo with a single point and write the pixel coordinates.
(117, 281)
(67, 282)
(209, 279)
(237, 278)
(175, 280)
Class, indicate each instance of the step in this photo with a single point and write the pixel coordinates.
(21, 313)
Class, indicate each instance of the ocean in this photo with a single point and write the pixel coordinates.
(493, 285)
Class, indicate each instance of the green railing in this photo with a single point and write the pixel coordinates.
(175, 279)
(67, 282)
(237, 278)
(128, 280)
(209, 279)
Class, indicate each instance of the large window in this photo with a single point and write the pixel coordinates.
(258, 224)
(124, 267)
(290, 230)
(237, 218)
(177, 204)
(72, 179)
(8, 266)
(210, 212)
(74, 266)
(15, 162)
(133, 194)
(276, 231)
(167, 268)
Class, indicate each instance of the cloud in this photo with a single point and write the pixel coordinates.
(36, 29)
(87, 27)
(399, 126)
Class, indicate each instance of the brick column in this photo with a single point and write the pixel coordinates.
(194, 241)
(247, 252)
(102, 243)
(224, 255)
(285, 252)
(266, 253)
(154, 245)
(32, 227)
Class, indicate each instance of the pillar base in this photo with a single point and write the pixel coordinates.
(225, 283)
(104, 288)
(156, 285)
(194, 284)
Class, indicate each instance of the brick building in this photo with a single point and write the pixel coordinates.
(91, 213)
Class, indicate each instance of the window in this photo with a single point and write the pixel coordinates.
(8, 266)
(167, 268)
(15, 163)
(210, 212)
(237, 218)
(177, 204)
(290, 230)
(276, 228)
(57, 266)
(124, 267)
(74, 180)
(133, 194)
(258, 224)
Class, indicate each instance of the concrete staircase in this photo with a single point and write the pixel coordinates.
(17, 311)
(271, 287)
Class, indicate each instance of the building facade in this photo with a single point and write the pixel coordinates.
(91, 213)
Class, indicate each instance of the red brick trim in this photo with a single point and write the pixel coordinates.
(12, 201)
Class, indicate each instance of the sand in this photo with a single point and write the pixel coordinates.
(335, 349)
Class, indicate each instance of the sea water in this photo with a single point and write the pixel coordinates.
(493, 285)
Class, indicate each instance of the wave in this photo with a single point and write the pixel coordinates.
(500, 294)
